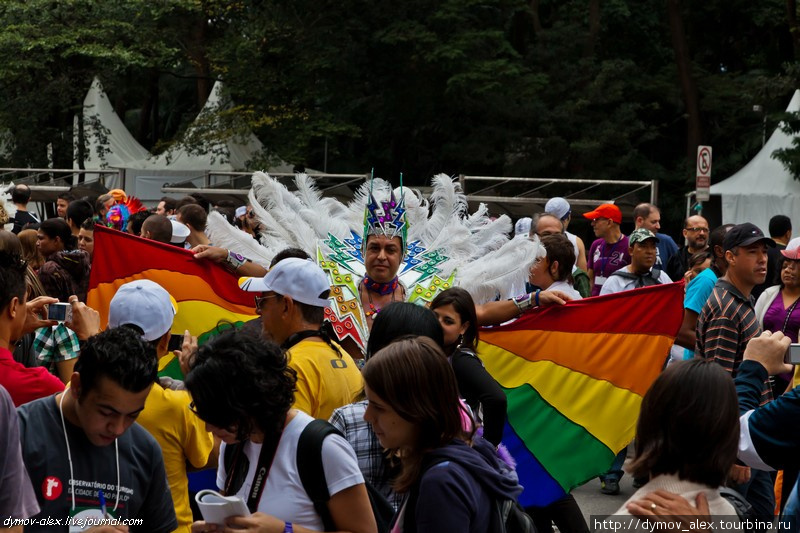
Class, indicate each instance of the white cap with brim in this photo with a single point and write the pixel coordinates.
(144, 304)
(300, 279)
(180, 232)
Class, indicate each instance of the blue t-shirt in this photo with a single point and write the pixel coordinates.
(697, 293)
(666, 248)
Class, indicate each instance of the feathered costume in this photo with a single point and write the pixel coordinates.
(444, 246)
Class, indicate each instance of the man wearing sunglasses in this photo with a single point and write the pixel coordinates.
(696, 232)
(292, 302)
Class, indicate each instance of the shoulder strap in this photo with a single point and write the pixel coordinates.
(310, 468)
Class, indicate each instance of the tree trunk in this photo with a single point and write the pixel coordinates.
(537, 22)
(688, 86)
(199, 59)
(594, 28)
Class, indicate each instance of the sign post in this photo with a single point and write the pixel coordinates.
(703, 182)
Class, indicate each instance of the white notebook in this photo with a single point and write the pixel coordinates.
(217, 508)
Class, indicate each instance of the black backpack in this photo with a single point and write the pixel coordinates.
(508, 515)
(312, 476)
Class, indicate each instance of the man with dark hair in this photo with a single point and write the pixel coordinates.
(157, 228)
(20, 196)
(166, 206)
(780, 230)
(294, 295)
(84, 442)
(648, 216)
(18, 317)
(148, 308)
(728, 322)
(186, 200)
(77, 212)
(196, 219)
(135, 222)
(63, 201)
(640, 273)
(695, 232)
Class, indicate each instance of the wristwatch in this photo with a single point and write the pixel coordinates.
(235, 260)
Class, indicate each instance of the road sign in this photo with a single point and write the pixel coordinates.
(703, 182)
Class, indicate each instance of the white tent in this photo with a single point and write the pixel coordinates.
(762, 188)
(179, 163)
(108, 143)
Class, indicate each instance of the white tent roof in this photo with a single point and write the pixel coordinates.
(108, 141)
(762, 188)
(230, 154)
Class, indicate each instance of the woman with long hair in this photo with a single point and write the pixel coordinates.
(243, 388)
(687, 435)
(455, 310)
(451, 477)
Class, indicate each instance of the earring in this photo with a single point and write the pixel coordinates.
(459, 341)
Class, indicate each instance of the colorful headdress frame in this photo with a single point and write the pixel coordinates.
(386, 218)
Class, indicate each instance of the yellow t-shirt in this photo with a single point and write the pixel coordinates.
(182, 436)
(325, 379)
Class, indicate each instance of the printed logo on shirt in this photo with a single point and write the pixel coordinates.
(338, 363)
(51, 488)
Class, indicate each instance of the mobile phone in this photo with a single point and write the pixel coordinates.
(793, 354)
(60, 312)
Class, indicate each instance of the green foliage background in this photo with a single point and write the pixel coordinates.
(542, 88)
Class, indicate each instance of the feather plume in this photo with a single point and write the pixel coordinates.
(285, 209)
(448, 203)
(318, 210)
(500, 272)
(491, 236)
(222, 234)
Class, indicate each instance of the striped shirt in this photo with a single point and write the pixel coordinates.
(726, 324)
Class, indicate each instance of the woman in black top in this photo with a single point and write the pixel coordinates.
(455, 310)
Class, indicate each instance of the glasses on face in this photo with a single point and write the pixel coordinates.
(261, 299)
(697, 230)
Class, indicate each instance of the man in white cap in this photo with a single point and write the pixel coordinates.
(561, 208)
(147, 308)
(292, 301)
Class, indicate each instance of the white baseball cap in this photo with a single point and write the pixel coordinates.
(179, 232)
(558, 206)
(300, 279)
(144, 304)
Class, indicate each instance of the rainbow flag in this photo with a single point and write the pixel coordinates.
(575, 376)
(208, 296)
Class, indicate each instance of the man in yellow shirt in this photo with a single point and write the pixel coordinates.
(148, 309)
(292, 301)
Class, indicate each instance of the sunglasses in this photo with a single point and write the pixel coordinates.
(261, 299)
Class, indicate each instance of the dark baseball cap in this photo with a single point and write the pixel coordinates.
(745, 235)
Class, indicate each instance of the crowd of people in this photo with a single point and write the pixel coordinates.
(414, 438)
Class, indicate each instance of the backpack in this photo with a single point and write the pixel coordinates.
(508, 516)
(653, 278)
(312, 476)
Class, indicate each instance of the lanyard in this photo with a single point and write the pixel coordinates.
(265, 458)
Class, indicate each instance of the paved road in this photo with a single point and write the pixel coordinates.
(594, 503)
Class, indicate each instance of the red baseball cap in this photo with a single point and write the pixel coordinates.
(605, 211)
